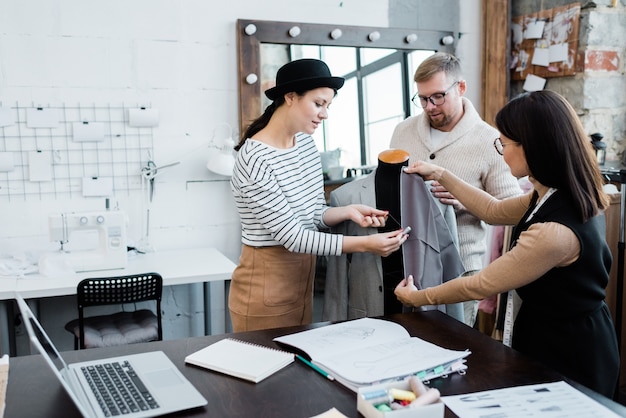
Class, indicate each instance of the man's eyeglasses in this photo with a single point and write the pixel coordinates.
(499, 146)
(436, 99)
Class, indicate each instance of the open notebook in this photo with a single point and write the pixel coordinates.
(241, 359)
(156, 386)
(368, 351)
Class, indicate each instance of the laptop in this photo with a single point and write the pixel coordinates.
(157, 387)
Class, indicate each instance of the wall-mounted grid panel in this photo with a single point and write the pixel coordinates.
(120, 155)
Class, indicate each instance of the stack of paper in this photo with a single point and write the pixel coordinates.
(370, 351)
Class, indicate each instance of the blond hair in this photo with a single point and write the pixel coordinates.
(438, 62)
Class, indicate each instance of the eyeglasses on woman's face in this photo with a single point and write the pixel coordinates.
(499, 145)
(437, 99)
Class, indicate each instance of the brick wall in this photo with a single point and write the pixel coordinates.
(598, 90)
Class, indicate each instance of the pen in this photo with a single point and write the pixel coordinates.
(314, 367)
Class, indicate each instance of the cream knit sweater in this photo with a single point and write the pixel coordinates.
(467, 152)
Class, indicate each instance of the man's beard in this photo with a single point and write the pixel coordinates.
(442, 121)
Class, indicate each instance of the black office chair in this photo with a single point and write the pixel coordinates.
(119, 328)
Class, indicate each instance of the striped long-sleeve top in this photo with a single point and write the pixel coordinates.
(279, 195)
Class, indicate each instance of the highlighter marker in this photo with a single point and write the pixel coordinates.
(401, 395)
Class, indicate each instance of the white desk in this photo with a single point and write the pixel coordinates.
(186, 266)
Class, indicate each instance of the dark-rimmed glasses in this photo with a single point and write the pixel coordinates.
(499, 146)
(436, 99)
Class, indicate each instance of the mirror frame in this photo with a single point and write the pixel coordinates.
(249, 55)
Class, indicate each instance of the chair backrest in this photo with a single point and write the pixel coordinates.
(118, 290)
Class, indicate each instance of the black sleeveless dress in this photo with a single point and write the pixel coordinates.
(564, 321)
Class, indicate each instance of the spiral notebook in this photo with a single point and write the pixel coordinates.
(241, 359)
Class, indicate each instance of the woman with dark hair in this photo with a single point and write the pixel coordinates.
(559, 260)
(277, 184)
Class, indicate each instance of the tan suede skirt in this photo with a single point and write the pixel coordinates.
(271, 287)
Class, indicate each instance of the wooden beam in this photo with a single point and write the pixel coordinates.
(496, 47)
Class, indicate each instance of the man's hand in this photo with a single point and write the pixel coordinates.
(444, 196)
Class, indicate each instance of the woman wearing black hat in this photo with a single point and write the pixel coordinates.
(277, 184)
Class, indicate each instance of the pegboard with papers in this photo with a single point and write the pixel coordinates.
(545, 43)
(70, 151)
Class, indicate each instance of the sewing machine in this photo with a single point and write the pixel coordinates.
(91, 240)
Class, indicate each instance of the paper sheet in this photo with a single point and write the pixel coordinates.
(142, 117)
(6, 161)
(559, 53)
(88, 131)
(42, 118)
(40, 165)
(331, 413)
(97, 186)
(534, 30)
(556, 399)
(6, 117)
(541, 56)
(534, 83)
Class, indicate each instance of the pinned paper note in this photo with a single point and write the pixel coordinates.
(559, 53)
(534, 83)
(6, 161)
(40, 165)
(39, 117)
(97, 186)
(6, 117)
(541, 56)
(143, 117)
(534, 30)
(88, 131)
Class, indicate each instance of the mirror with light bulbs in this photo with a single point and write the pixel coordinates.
(264, 46)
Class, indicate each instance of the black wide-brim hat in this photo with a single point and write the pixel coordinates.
(303, 75)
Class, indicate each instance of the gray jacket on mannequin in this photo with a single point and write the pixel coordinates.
(354, 282)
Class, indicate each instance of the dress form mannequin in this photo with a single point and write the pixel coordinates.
(361, 284)
(387, 184)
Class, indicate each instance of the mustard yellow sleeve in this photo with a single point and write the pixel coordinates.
(542, 247)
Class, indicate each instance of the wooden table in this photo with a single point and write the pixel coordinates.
(295, 391)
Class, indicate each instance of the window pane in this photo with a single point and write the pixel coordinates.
(340, 59)
(272, 58)
(305, 51)
(382, 93)
(379, 134)
(414, 60)
(370, 55)
(342, 126)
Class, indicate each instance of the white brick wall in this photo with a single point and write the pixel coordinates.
(180, 57)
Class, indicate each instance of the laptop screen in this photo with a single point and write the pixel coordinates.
(47, 345)
(34, 329)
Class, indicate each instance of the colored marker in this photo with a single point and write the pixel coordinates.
(314, 367)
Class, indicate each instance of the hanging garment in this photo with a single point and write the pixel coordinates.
(354, 282)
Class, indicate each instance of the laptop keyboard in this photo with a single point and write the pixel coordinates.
(118, 389)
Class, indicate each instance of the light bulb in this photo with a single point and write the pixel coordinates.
(250, 29)
(374, 36)
(447, 40)
(294, 31)
(336, 33)
(251, 78)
